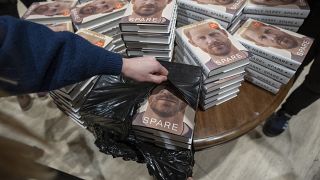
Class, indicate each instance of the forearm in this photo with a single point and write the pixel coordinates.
(39, 59)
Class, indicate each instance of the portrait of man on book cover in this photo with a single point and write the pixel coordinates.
(165, 110)
(267, 36)
(272, 3)
(51, 9)
(150, 11)
(230, 6)
(216, 43)
(96, 7)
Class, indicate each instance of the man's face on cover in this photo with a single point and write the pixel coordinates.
(215, 2)
(211, 40)
(98, 6)
(273, 2)
(164, 103)
(271, 37)
(149, 7)
(56, 8)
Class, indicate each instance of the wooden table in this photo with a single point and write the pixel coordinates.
(237, 116)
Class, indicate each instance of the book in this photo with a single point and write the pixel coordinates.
(276, 20)
(276, 44)
(222, 83)
(57, 27)
(268, 72)
(95, 13)
(95, 38)
(261, 77)
(211, 46)
(221, 90)
(223, 10)
(165, 112)
(206, 80)
(261, 84)
(185, 13)
(273, 66)
(154, 17)
(293, 8)
(220, 96)
(218, 101)
(49, 12)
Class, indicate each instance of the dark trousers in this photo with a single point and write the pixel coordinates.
(309, 91)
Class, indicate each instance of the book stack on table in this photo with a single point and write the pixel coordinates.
(222, 59)
(277, 53)
(148, 30)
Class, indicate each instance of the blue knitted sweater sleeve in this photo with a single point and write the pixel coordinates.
(33, 58)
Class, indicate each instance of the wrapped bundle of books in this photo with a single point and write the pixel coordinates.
(69, 99)
(284, 14)
(224, 12)
(148, 29)
(49, 12)
(277, 53)
(101, 16)
(221, 57)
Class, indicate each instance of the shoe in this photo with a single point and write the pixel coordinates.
(25, 102)
(276, 124)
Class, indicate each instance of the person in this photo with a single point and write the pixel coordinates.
(97, 7)
(215, 42)
(33, 58)
(264, 35)
(150, 11)
(164, 110)
(309, 91)
(52, 9)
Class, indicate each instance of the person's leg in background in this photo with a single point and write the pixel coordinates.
(309, 91)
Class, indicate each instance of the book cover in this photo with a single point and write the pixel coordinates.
(289, 8)
(159, 12)
(165, 110)
(276, 44)
(57, 27)
(224, 10)
(45, 10)
(95, 38)
(211, 46)
(97, 9)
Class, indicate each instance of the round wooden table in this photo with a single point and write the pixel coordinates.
(237, 116)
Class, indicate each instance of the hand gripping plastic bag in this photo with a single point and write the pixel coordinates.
(113, 102)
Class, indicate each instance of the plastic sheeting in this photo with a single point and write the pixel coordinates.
(111, 105)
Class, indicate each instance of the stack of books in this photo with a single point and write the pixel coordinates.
(165, 119)
(148, 29)
(69, 99)
(224, 12)
(49, 12)
(103, 17)
(221, 57)
(277, 53)
(284, 14)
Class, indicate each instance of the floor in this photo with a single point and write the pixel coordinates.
(292, 156)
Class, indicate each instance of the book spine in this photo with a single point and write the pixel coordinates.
(282, 12)
(205, 10)
(269, 73)
(199, 17)
(186, 20)
(277, 20)
(183, 45)
(261, 84)
(273, 57)
(272, 65)
(263, 78)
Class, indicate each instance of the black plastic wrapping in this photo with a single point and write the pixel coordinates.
(111, 105)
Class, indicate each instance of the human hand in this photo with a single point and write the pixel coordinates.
(144, 69)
